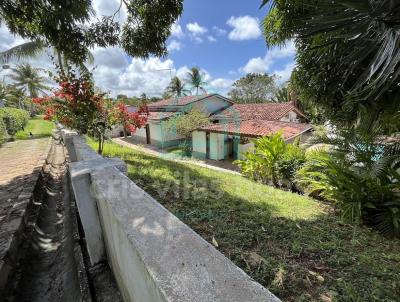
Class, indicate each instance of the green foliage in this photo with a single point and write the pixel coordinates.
(14, 119)
(38, 127)
(195, 79)
(282, 95)
(144, 32)
(185, 124)
(3, 131)
(360, 174)
(272, 160)
(254, 88)
(348, 53)
(291, 161)
(177, 88)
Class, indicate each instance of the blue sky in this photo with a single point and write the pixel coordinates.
(224, 38)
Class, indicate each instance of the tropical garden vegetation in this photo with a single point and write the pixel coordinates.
(195, 80)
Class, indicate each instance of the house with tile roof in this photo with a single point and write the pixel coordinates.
(233, 128)
(156, 133)
(232, 125)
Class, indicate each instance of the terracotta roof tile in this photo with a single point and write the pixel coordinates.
(255, 128)
(179, 101)
(264, 111)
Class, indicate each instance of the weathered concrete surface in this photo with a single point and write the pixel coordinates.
(156, 257)
(80, 179)
(20, 166)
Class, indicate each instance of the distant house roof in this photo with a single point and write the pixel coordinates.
(256, 128)
(264, 111)
(158, 116)
(182, 101)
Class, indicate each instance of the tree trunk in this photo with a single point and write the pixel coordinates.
(60, 63)
(125, 133)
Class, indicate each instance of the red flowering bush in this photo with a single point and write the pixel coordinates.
(76, 105)
(130, 121)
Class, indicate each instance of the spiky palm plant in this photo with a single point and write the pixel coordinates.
(360, 173)
(177, 87)
(28, 79)
(196, 80)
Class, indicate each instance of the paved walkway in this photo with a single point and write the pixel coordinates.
(19, 158)
(223, 165)
(20, 164)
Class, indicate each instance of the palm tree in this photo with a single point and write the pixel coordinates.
(177, 87)
(282, 95)
(195, 79)
(28, 79)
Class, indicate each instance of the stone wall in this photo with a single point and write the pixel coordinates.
(154, 256)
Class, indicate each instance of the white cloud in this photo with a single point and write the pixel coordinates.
(261, 65)
(174, 46)
(285, 73)
(219, 31)
(176, 31)
(196, 29)
(244, 28)
(257, 65)
(211, 39)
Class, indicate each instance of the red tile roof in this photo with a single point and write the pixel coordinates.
(179, 101)
(264, 111)
(160, 115)
(256, 128)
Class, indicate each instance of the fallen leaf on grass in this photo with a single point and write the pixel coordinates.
(214, 242)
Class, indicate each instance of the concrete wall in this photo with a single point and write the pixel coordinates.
(153, 255)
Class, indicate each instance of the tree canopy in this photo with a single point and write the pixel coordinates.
(65, 25)
(348, 53)
(254, 88)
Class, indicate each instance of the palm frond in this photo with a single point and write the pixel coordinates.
(25, 50)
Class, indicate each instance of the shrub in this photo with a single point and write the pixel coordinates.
(3, 132)
(362, 178)
(14, 119)
(272, 161)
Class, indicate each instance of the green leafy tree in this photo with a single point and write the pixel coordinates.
(348, 53)
(282, 95)
(254, 88)
(177, 88)
(195, 78)
(185, 124)
(27, 78)
(144, 33)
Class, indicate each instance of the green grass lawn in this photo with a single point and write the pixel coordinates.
(293, 245)
(38, 126)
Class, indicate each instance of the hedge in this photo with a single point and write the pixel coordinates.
(3, 131)
(14, 120)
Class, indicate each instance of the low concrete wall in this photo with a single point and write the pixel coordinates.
(155, 256)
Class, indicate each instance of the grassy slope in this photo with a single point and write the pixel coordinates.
(38, 126)
(296, 247)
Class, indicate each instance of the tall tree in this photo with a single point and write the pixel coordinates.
(27, 78)
(144, 33)
(254, 88)
(348, 53)
(195, 78)
(177, 88)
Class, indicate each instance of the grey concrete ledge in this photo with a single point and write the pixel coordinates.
(154, 256)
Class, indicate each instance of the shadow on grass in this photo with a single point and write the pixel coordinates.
(299, 259)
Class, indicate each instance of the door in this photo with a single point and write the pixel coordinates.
(207, 144)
